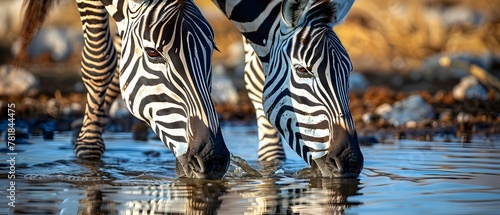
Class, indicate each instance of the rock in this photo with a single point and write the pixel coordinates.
(52, 107)
(223, 89)
(74, 109)
(357, 82)
(383, 109)
(469, 88)
(58, 42)
(463, 117)
(119, 109)
(236, 56)
(442, 72)
(17, 81)
(446, 116)
(434, 70)
(367, 118)
(409, 111)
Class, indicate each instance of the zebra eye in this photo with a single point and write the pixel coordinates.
(154, 56)
(301, 69)
(304, 72)
(152, 52)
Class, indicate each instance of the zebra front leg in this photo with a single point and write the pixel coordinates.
(270, 146)
(113, 90)
(99, 61)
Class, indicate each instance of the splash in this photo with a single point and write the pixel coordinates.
(239, 168)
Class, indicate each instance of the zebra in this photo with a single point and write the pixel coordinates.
(297, 76)
(164, 76)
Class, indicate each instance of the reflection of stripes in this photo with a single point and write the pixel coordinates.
(165, 68)
(305, 89)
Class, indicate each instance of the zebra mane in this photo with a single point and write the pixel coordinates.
(292, 11)
(34, 16)
(323, 11)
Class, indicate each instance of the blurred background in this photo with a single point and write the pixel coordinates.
(423, 64)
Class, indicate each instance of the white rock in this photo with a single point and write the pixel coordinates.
(119, 109)
(73, 108)
(58, 42)
(463, 117)
(16, 81)
(383, 109)
(223, 89)
(414, 108)
(469, 88)
(367, 118)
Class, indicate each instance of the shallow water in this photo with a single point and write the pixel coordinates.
(403, 177)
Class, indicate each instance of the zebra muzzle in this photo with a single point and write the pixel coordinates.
(344, 158)
(196, 164)
(207, 155)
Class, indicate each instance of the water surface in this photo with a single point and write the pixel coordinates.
(135, 177)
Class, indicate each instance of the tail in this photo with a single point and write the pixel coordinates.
(36, 11)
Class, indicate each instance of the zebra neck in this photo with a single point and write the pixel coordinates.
(257, 20)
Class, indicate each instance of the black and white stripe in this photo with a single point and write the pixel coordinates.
(270, 146)
(99, 61)
(164, 76)
(305, 91)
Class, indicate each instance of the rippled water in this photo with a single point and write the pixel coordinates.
(403, 177)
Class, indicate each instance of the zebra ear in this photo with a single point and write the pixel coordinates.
(134, 4)
(138, 1)
(343, 8)
(291, 11)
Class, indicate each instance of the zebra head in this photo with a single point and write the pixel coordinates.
(165, 79)
(306, 91)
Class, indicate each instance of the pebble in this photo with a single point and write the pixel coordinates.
(413, 108)
(17, 81)
(469, 88)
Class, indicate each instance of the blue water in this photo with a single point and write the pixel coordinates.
(134, 177)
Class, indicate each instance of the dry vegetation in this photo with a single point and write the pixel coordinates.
(380, 35)
(386, 35)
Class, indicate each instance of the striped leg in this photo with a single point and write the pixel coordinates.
(113, 90)
(270, 146)
(99, 61)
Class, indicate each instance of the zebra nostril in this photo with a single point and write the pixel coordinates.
(196, 164)
(347, 164)
(335, 164)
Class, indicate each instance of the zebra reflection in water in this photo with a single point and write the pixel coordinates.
(185, 196)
